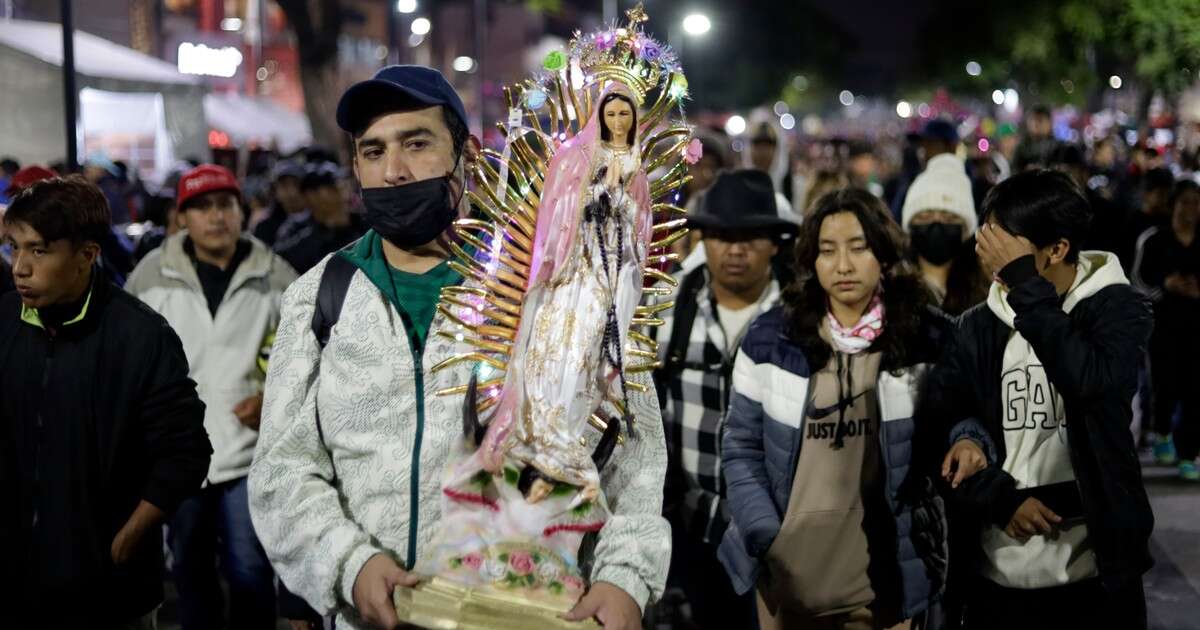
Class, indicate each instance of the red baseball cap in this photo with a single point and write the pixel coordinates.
(205, 178)
(26, 177)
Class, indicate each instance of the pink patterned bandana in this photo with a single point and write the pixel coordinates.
(859, 337)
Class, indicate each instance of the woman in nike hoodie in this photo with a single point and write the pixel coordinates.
(832, 523)
(1053, 532)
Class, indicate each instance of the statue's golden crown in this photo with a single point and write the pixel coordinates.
(625, 54)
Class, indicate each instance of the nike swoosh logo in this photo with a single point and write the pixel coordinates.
(819, 413)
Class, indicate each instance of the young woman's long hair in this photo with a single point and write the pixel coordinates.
(967, 284)
(905, 296)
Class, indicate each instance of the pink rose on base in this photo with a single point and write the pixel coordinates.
(521, 563)
(573, 583)
(472, 561)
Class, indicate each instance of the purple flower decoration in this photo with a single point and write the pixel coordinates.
(650, 50)
(694, 151)
(606, 40)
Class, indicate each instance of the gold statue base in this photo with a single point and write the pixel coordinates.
(445, 605)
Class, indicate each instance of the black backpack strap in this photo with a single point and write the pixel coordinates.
(682, 320)
(331, 293)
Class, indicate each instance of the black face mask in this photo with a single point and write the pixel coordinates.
(413, 214)
(937, 242)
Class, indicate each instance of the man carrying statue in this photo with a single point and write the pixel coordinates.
(346, 489)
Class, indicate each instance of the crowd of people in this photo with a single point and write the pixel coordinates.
(901, 386)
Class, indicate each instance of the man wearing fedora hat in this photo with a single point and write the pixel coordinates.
(741, 231)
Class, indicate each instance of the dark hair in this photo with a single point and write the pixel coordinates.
(1067, 154)
(905, 296)
(605, 134)
(1040, 110)
(9, 165)
(966, 284)
(62, 208)
(1158, 179)
(1043, 206)
(1183, 187)
(319, 176)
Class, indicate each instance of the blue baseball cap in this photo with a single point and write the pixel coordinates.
(394, 88)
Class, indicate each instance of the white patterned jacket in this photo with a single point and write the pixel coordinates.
(326, 498)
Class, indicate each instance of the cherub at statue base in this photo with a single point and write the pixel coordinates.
(443, 604)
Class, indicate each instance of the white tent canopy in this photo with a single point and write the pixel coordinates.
(94, 56)
(261, 121)
(31, 92)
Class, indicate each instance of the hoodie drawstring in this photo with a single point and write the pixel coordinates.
(840, 433)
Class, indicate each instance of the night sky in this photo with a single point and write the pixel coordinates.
(887, 37)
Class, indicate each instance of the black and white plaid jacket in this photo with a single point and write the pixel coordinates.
(695, 394)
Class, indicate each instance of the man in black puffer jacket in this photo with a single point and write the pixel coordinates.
(101, 431)
(1054, 531)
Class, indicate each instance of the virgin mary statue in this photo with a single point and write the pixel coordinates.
(593, 231)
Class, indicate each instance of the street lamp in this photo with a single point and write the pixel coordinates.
(696, 24)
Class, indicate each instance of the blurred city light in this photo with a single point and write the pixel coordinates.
(231, 24)
(406, 6)
(998, 97)
(974, 69)
(696, 24)
(1115, 82)
(903, 109)
(464, 64)
(781, 108)
(421, 26)
(846, 97)
(213, 62)
(735, 126)
(1011, 100)
(787, 121)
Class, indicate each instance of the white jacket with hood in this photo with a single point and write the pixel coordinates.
(223, 351)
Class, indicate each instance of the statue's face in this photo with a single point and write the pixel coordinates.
(618, 118)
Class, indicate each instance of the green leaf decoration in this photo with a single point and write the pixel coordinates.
(511, 476)
(504, 557)
(555, 61)
(455, 563)
(481, 478)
